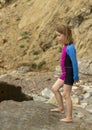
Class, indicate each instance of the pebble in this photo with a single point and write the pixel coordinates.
(87, 95)
(84, 104)
(75, 99)
(80, 115)
(89, 108)
(47, 93)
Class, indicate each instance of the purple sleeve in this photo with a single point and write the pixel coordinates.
(62, 63)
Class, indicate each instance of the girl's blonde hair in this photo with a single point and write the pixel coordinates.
(66, 31)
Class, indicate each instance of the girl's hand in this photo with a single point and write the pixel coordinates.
(77, 83)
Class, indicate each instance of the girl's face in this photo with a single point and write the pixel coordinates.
(61, 37)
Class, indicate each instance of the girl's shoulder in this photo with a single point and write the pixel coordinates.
(71, 47)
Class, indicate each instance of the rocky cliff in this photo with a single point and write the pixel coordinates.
(27, 31)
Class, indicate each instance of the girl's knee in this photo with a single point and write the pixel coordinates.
(54, 89)
(66, 96)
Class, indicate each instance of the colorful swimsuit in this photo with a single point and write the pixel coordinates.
(69, 64)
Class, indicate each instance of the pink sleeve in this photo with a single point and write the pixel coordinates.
(62, 63)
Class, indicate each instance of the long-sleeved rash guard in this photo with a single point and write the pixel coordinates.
(69, 60)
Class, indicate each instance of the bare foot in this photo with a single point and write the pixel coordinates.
(66, 120)
(57, 110)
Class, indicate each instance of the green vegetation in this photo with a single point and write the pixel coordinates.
(22, 46)
(33, 52)
(18, 18)
(28, 40)
(36, 58)
(41, 64)
(25, 35)
(59, 49)
(33, 65)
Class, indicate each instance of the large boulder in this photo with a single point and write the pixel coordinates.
(32, 115)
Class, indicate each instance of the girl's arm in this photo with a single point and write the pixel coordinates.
(72, 54)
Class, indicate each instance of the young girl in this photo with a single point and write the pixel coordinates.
(69, 73)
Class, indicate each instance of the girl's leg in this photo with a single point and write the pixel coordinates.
(66, 94)
(55, 88)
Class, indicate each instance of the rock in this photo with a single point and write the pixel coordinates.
(57, 71)
(38, 112)
(52, 101)
(89, 100)
(84, 104)
(13, 72)
(81, 82)
(78, 91)
(74, 88)
(76, 21)
(80, 115)
(3, 75)
(86, 10)
(38, 98)
(30, 115)
(89, 108)
(78, 84)
(87, 95)
(85, 66)
(75, 100)
(23, 69)
(81, 97)
(84, 91)
(84, 86)
(47, 93)
(90, 86)
(90, 90)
